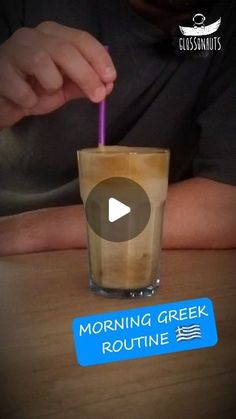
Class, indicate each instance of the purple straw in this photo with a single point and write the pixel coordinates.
(101, 123)
(101, 120)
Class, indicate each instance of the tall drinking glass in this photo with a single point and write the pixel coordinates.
(129, 266)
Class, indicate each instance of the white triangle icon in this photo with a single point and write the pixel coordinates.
(116, 210)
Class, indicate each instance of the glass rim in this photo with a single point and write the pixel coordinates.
(109, 149)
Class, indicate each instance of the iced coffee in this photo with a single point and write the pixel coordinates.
(126, 268)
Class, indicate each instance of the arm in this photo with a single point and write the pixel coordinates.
(200, 213)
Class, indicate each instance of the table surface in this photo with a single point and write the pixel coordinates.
(40, 294)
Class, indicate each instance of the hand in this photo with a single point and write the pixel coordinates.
(43, 68)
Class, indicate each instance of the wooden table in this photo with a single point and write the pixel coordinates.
(40, 294)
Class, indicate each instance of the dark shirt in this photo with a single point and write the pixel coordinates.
(163, 97)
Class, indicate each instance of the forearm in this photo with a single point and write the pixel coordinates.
(42, 230)
(199, 213)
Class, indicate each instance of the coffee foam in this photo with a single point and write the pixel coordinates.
(148, 168)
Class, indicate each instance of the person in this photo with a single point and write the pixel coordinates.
(54, 70)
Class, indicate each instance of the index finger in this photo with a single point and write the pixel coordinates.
(91, 49)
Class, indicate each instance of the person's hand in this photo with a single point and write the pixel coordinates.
(43, 68)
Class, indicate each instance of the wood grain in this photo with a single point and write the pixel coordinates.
(40, 294)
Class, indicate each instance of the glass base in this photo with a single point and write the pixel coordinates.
(123, 293)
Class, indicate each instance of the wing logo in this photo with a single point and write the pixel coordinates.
(199, 28)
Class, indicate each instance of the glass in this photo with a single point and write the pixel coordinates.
(128, 268)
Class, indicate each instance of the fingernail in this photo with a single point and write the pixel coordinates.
(109, 88)
(110, 73)
(99, 94)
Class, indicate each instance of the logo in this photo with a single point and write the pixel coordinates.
(197, 38)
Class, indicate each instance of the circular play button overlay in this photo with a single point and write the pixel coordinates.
(117, 209)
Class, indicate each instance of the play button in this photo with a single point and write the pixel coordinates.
(117, 209)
